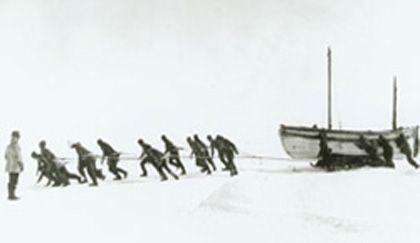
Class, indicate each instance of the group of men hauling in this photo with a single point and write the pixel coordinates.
(330, 161)
(54, 170)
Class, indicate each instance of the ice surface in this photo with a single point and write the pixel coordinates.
(268, 202)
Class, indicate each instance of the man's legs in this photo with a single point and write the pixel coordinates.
(143, 166)
(112, 166)
(71, 175)
(58, 178)
(92, 172)
(164, 166)
(81, 170)
(412, 161)
(210, 161)
(62, 174)
(389, 162)
(232, 167)
(13, 180)
(203, 165)
(162, 174)
(224, 162)
(41, 175)
(122, 171)
(176, 161)
(181, 166)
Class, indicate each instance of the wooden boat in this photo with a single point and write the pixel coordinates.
(303, 142)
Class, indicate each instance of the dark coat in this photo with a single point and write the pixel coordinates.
(107, 150)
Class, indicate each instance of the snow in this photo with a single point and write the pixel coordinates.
(120, 70)
(269, 201)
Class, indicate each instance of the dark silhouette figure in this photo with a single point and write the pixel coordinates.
(371, 149)
(87, 161)
(404, 147)
(64, 175)
(229, 151)
(43, 169)
(54, 169)
(216, 145)
(156, 158)
(205, 152)
(50, 158)
(388, 151)
(200, 157)
(324, 155)
(113, 158)
(173, 152)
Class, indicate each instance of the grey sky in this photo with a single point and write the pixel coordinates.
(79, 70)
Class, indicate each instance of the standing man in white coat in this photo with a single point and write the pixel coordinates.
(14, 164)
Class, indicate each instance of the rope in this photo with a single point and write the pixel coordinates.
(243, 155)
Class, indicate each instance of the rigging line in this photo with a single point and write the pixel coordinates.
(254, 157)
(133, 156)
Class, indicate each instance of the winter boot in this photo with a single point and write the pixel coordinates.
(12, 196)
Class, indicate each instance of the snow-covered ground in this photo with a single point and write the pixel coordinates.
(268, 202)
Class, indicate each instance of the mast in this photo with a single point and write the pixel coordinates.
(329, 89)
(394, 105)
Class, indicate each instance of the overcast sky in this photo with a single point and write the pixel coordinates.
(83, 69)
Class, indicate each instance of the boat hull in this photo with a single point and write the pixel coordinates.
(303, 142)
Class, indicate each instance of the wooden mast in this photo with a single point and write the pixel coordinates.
(329, 89)
(394, 105)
